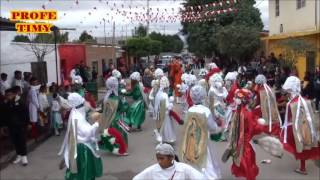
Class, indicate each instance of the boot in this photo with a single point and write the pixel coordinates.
(24, 160)
(17, 160)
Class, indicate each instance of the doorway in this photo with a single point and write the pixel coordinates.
(311, 61)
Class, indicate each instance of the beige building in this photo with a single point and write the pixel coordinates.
(287, 16)
(295, 19)
(95, 55)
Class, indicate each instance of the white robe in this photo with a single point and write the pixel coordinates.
(33, 104)
(219, 95)
(86, 133)
(43, 102)
(167, 130)
(212, 169)
(179, 171)
(4, 85)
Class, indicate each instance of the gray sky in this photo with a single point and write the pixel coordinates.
(88, 14)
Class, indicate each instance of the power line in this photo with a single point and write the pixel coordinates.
(259, 3)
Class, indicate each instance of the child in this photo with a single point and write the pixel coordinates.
(56, 115)
(44, 105)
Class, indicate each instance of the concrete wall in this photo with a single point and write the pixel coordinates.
(97, 53)
(14, 56)
(293, 19)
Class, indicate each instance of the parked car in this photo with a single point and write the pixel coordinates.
(163, 62)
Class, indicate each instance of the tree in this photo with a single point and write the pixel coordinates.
(200, 35)
(141, 31)
(238, 41)
(241, 38)
(43, 38)
(234, 35)
(169, 43)
(21, 38)
(86, 38)
(139, 47)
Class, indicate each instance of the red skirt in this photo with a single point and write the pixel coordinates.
(290, 146)
(248, 167)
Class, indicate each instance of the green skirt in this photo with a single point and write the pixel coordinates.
(89, 167)
(136, 114)
(106, 145)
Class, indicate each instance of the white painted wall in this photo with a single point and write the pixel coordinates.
(293, 19)
(15, 57)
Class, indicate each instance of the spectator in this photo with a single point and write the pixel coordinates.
(82, 71)
(109, 71)
(317, 90)
(307, 89)
(94, 74)
(17, 81)
(17, 123)
(146, 79)
(273, 59)
(56, 114)
(26, 82)
(4, 85)
(33, 104)
(43, 105)
(242, 69)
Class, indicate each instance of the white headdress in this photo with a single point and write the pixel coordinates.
(165, 149)
(231, 76)
(292, 84)
(191, 80)
(77, 80)
(203, 72)
(184, 77)
(75, 100)
(164, 82)
(68, 149)
(215, 78)
(158, 73)
(198, 94)
(112, 85)
(260, 79)
(212, 65)
(116, 74)
(135, 76)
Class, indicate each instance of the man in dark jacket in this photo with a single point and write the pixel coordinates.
(17, 116)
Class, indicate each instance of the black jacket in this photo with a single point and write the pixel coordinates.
(17, 113)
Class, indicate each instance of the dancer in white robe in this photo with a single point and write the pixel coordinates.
(218, 93)
(168, 168)
(79, 145)
(167, 130)
(212, 169)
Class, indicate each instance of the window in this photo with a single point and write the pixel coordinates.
(277, 8)
(281, 28)
(301, 4)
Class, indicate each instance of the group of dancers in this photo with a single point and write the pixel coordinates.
(213, 107)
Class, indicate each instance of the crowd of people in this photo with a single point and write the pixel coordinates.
(236, 104)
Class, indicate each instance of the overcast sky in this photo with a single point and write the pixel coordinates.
(88, 14)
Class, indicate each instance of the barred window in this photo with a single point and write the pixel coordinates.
(301, 4)
(277, 8)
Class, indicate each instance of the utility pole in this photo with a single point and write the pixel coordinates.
(148, 17)
(121, 33)
(113, 41)
(126, 31)
(104, 29)
(164, 29)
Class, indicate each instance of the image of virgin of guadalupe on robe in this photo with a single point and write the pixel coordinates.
(197, 149)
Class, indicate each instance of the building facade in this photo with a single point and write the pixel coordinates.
(295, 20)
